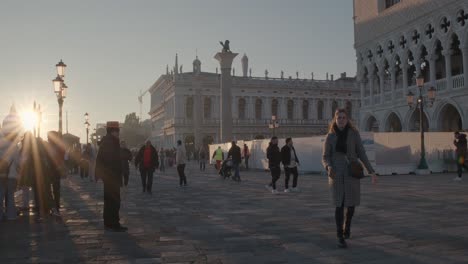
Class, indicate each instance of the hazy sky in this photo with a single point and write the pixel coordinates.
(114, 48)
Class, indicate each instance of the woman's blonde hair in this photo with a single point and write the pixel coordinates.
(331, 126)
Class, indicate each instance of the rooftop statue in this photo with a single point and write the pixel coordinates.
(225, 46)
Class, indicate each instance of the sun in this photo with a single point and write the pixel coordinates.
(29, 120)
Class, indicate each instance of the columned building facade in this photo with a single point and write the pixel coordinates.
(398, 40)
(185, 106)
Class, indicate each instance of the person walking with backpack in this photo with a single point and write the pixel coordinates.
(202, 155)
(181, 156)
(290, 163)
(461, 150)
(147, 161)
(342, 148)
(274, 164)
(235, 154)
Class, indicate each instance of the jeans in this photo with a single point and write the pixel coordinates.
(202, 165)
(126, 173)
(56, 191)
(275, 175)
(182, 177)
(147, 179)
(162, 167)
(288, 172)
(235, 167)
(460, 165)
(7, 197)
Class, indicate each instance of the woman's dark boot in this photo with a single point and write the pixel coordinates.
(339, 218)
(347, 227)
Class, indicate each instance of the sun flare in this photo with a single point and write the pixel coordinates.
(29, 120)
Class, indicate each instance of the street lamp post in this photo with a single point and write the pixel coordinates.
(87, 125)
(421, 101)
(60, 89)
(273, 124)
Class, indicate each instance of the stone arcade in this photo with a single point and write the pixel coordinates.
(396, 41)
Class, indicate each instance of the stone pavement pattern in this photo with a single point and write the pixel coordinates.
(403, 219)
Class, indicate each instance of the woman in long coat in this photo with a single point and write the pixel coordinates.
(343, 145)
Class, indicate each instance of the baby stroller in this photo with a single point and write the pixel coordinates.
(226, 169)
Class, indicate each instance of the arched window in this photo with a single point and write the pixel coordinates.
(189, 108)
(290, 109)
(305, 109)
(334, 107)
(320, 110)
(207, 108)
(241, 106)
(258, 109)
(349, 109)
(274, 108)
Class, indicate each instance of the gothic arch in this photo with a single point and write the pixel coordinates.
(438, 113)
(393, 122)
(412, 120)
(450, 119)
(371, 124)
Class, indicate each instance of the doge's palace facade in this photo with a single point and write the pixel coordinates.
(397, 40)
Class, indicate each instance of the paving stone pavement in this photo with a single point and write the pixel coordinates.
(402, 219)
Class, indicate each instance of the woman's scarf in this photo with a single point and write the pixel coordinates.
(342, 135)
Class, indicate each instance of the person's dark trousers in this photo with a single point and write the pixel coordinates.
(288, 172)
(56, 191)
(460, 167)
(202, 165)
(235, 167)
(340, 221)
(246, 163)
(275, 175)
(111, 204)
(147, 179)
(182, 177)
(126, 173)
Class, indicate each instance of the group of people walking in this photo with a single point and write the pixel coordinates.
(28, 162)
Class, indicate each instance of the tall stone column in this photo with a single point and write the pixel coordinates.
(371, 87)
(393, 80)
(432, 69)
(404, 69)
(382, 84)
(197, 113)
(448, 68)
(225, 60)
(465, 66)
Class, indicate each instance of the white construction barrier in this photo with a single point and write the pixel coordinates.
(389, 153)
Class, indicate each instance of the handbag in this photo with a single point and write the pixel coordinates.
(357, 171)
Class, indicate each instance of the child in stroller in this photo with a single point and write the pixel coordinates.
(226, 169)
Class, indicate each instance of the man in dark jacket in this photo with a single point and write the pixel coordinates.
(290, 162)
(461, 150)
(126, 157)
(274, 162)
(235, 153)
(109, 169)
(148, 161)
